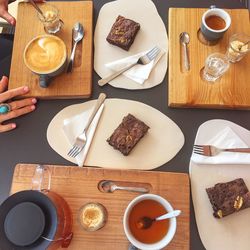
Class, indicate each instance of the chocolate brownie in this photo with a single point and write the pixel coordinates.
(123, 32)
(227, 198)
(127, 134)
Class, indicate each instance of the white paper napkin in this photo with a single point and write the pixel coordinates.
(74, 126)
(138, 73)
(225, 138)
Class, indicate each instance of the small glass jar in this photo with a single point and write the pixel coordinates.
(239, 46)
(216, 65)
(50, 18)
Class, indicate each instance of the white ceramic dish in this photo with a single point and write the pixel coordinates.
(231, 232)
(162, 142)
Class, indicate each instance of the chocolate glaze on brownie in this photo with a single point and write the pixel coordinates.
(127, 134)
(227, 198)
(123, 32)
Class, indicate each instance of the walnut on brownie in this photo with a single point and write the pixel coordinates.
(127, 134)
(227, 198)
(123, 32)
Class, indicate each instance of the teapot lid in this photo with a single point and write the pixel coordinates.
(24, 223)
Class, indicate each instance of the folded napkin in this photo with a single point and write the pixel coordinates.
(74, 126)
(225, 138)
(138, 73)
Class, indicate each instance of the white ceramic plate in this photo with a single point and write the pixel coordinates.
(152, 33)
(162, 142)
(233, 231)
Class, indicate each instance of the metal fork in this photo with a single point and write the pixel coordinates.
(81, 140)
(209, 150)
(145, 59)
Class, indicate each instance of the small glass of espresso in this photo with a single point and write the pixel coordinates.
(239, 46)
(50, 18)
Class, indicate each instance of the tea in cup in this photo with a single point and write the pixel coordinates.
(215, 22)
(46, 56)
(160, 233)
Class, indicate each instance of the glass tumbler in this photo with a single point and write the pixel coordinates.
(50, 18)
(216, 65)
(239, 46)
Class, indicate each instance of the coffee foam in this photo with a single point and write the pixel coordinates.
(45, 54)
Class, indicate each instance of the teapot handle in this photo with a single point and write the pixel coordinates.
(38, 179)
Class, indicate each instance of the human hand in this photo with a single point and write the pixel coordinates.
(5, 14)
(18, 107)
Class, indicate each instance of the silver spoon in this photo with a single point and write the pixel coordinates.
(37, 8)
(78, 34)
(110, 187)
(146, 222)
(184, 39)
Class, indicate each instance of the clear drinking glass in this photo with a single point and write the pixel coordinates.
(216, 65)
(50, 18)
(239, 46)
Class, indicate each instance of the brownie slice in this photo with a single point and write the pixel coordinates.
(127, 134)
(227, 198)
(123, 32)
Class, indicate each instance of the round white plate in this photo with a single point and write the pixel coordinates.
(151, 33)
(233, 231)
(162, 142)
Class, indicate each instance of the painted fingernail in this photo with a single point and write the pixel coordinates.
(26, 89)
(33, 107)
(13, 125)
(34, 100)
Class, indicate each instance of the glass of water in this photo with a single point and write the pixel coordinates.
(216, 65)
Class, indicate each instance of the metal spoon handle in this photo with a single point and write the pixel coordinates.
(133, 189)
(72, 56)
(186, 57)
(169, 215)
(37, 8)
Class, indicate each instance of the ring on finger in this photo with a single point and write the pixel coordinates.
(4, 108)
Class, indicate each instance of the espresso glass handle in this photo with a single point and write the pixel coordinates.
(39, 177)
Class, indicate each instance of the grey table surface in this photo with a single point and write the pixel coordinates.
(28, 143)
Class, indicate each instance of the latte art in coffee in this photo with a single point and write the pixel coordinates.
(45, 54)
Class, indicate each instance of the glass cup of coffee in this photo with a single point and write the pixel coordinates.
(46, 56)
(160, 233)
(215, 22)
(239, 46)
(216, 65)
(50, 18)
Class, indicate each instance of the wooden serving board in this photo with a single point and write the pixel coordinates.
(79, 186)
(77, 84)
(188, 89)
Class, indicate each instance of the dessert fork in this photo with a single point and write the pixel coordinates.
(81, 139)
(209, 150)
(145, 59)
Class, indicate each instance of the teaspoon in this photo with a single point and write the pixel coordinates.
(184, 39)
(37, 8)
(146, 222)
(78, 34)
(110, 187)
